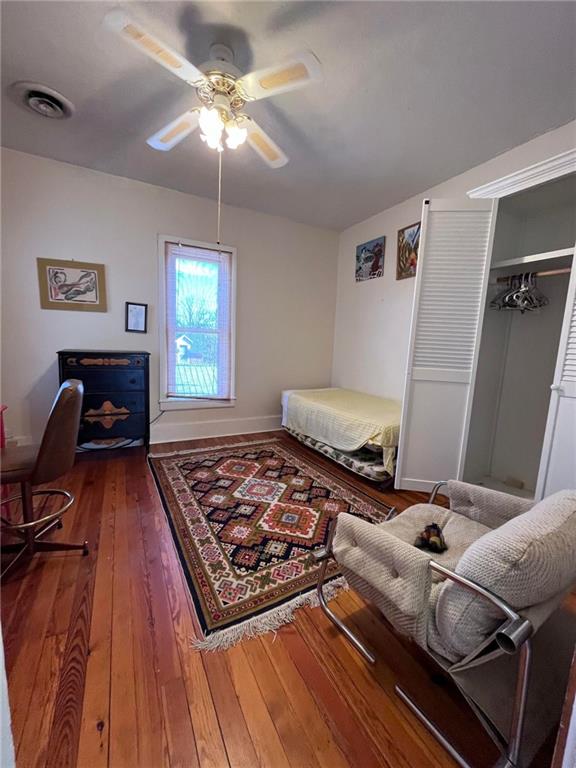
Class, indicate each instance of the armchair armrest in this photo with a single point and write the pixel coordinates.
(492, 508)
(515, 630)
(396, 576)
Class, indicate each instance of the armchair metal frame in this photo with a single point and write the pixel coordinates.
(513, 636)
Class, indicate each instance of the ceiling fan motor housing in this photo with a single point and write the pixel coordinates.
(221, 60)
(219, 52)
(219, 90)
(222, 104)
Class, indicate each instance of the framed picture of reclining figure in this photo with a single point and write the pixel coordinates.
(79, 286)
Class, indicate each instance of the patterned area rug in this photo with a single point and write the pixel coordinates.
(245, 519)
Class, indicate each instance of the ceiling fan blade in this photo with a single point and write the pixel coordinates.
(299, 71)
(132, 31)
(263, 145)
(174, 132)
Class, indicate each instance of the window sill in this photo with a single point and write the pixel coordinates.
(187, 404)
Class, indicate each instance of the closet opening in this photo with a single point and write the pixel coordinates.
(532, 259)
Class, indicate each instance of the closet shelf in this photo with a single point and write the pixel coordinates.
(533, 257)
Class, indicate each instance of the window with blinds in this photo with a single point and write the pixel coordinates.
(199, 322)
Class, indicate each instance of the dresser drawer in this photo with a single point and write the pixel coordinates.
(114, 402)
(116, 396)
(96, 361)
(107, 380)
(113, 425)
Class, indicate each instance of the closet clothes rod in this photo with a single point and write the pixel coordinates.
(545, 273)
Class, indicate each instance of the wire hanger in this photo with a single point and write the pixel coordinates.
(521, 293)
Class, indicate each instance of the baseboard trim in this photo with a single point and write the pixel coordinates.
(175, 432)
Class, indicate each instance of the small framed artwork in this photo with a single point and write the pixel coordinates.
(370, 259)
(408, 244)
(136, 317)
(72, 285)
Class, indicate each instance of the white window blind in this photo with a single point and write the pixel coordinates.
(569, 368)
(199, 328)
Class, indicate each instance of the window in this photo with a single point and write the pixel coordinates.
(198, 359)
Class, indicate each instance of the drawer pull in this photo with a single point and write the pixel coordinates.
(106, 421)
(105, 361)
(106, 409)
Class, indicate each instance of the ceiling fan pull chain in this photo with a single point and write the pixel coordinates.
(219, 194)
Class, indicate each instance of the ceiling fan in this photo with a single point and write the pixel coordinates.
(222, 91)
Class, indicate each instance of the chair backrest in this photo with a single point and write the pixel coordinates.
(58, 447)
(528, 561)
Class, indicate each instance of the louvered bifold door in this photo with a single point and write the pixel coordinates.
(450, 294)
(558, 463)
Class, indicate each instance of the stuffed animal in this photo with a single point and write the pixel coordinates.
(431, 538)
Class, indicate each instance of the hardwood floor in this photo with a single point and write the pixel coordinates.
(101, 671)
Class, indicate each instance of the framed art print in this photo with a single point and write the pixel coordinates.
(136, 317)
(71, 285)
(408, 244)
(370, 259)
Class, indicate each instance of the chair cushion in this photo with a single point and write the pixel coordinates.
(459, 531)
(434, 640)
(526, 561)
(17, 463)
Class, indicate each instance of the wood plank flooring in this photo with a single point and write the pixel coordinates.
(101, 672)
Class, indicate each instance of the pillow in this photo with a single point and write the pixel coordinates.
(525, 561)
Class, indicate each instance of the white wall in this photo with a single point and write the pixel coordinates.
(532, 349)
(285, 299)
(6, 740)
(373, 317)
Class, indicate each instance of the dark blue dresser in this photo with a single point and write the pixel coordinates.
(116, 405)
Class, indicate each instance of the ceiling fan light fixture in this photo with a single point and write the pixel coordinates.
(212, 127)
(235, 136)
(212, 142)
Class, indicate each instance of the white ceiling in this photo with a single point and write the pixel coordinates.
(414, 93)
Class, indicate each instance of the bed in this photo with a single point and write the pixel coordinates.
(357, 430)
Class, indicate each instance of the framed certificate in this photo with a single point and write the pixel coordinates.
(136, 317)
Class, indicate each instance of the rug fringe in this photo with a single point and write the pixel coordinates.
(208, 448)
(270, 621)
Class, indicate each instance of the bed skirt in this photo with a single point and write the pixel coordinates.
(363, 461)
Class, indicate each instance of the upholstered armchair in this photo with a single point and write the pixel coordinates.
(487, 610)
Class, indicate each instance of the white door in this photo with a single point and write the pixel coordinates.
(558, 463)
(450, 293)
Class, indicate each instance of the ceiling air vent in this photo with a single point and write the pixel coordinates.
(43, 100)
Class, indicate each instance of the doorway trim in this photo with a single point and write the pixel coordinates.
(532, 176)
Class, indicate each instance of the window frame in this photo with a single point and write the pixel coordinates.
(191, 403)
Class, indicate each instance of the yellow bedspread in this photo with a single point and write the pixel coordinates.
(345, 419)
